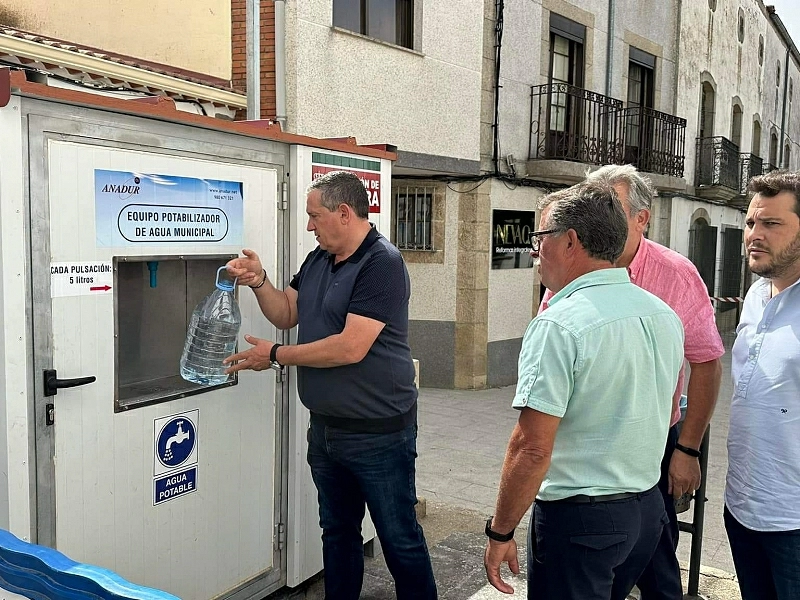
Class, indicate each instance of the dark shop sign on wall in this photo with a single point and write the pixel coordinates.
(511, 238)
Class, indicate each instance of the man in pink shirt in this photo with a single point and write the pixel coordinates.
(674, 279)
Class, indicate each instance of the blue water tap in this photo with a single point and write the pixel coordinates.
(153, 266)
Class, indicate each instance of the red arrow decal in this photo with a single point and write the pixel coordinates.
(102, 288)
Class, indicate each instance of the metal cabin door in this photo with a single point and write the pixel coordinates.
(181, 493)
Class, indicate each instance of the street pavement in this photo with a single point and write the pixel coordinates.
(462, 442)
(461, 445)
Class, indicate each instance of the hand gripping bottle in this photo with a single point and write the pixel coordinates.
(212, 335)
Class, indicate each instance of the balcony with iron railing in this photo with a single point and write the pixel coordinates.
(717, 169)
(654, 141)
(750, 165)
(569, 123)
(768, 167)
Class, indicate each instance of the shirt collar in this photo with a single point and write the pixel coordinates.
(371, 238)
(599, 277)
(763, 287)
(639, 259)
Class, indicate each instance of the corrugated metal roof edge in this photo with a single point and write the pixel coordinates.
(15, 83)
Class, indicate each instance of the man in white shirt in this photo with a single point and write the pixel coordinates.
(762, 493)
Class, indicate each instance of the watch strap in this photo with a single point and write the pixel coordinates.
(497, 537)
(686, 450)
(273, 354)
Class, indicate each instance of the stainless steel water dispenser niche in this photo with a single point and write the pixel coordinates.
(153, 302)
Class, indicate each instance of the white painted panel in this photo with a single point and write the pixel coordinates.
(15, 380)
(205, 543)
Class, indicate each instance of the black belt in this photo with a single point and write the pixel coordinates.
(381, 425)
(584, 499)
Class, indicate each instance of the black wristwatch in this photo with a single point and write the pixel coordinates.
(686, 450)
(497, 537)
(273, 358)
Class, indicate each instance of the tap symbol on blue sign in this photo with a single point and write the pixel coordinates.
(176, 442)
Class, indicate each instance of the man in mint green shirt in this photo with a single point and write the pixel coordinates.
(597, 372)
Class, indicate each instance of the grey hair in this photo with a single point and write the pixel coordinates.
(342, 187)
(556, 196)
(640, 189)
(594, 212)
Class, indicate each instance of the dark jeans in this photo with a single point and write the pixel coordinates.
(376, 469)
(767, 562)
(592, 551)
(661, 579)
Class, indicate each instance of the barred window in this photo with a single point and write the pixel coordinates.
(413, 217)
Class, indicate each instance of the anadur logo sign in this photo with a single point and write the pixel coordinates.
(123, 190)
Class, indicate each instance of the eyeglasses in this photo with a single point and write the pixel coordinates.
(535, 238)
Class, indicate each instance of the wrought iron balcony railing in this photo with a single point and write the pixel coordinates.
(750, 165)
(717, 163)
(570, 123)
(654, 141)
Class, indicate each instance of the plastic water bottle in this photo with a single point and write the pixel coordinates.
(212, 335)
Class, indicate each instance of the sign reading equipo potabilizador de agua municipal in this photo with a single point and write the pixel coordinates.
(511, 238)
(136, 208)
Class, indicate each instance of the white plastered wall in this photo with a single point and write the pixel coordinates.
(427, 100)
(438, 280)
(512, 291)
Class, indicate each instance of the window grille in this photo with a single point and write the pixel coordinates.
(413, 218)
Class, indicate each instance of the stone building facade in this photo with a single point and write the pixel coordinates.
(493, 103)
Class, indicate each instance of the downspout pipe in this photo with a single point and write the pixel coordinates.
(610, 46)
(498, 47)
(783, 111)
(676, 69)
(280, 62)
(253, 58)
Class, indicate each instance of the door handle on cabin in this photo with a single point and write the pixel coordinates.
(52, 382)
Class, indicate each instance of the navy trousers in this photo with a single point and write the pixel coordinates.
(767, 562)
(661, 579)
(351, 470)
(592, 551)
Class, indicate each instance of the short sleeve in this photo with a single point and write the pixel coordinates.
(298, 277)
(547, 363)
(380, 288)
(702, 342)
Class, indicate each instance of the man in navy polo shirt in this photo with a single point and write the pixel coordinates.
(356, 376)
